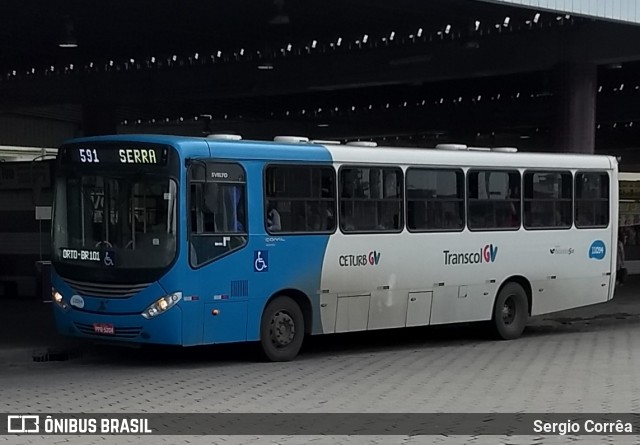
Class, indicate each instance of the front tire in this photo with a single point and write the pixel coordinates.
(281, 330)
(510, 313)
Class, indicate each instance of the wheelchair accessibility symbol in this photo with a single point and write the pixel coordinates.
(108, 259)
(260, 260)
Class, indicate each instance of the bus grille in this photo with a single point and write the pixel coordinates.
(105, 289)
(240, 288)
(121, 332)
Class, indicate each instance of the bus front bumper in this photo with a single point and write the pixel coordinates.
(165, 328)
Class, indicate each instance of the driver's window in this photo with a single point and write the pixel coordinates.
(217, 210)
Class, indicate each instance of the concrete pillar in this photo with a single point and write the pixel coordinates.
(575, 118)
(98, 118)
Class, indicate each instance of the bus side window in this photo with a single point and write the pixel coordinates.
(299, 199)
(217, 213)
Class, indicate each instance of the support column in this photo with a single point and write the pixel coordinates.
(575, 117)
(98, 118)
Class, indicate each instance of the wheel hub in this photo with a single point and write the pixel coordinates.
(508, 311)
(283, 329)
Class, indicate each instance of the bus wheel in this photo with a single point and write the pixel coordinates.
(281, 330)
(510, 313)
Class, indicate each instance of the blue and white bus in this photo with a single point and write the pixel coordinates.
(193, 241)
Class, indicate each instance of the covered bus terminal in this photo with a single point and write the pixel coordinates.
(554, 76)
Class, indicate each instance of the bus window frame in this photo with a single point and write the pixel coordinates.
(573, 200)
(467, 200)
(204, 163)
(402, 224)
(265, 198)
(464, 198)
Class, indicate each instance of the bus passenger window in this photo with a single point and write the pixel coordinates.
(217, 212)
(299, 199)
(592, 199)
(435, 199)
(371, 199)
(548, 200)
(493, 200)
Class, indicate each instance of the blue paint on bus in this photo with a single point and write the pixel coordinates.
(221, 301)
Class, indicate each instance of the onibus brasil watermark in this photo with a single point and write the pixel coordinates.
(34, 424)
(351, 424)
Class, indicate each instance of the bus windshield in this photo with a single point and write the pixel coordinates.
(114, 221)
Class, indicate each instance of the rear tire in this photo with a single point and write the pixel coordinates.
(281, 330)
(510, 313)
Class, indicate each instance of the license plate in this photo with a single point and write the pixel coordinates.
(103, 328)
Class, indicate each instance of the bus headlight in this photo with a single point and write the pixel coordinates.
(56, 297)
(162, 305)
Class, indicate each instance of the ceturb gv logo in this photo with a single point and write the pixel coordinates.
(370, 259)
(486, 254)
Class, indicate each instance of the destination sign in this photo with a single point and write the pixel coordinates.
(80, 254)
(106, 257)
(124, 155)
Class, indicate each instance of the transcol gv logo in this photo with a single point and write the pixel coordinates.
(370, 259)
(487, 254)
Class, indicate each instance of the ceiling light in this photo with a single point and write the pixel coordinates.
(68, 39)
(536, 17)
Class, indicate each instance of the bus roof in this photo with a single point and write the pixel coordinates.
(438, 157)
(201, 147)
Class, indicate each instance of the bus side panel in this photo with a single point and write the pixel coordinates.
(375, 274)
(566, 269)
(294, 263)
(232, 291)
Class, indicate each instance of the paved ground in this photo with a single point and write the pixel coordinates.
(583, 360)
